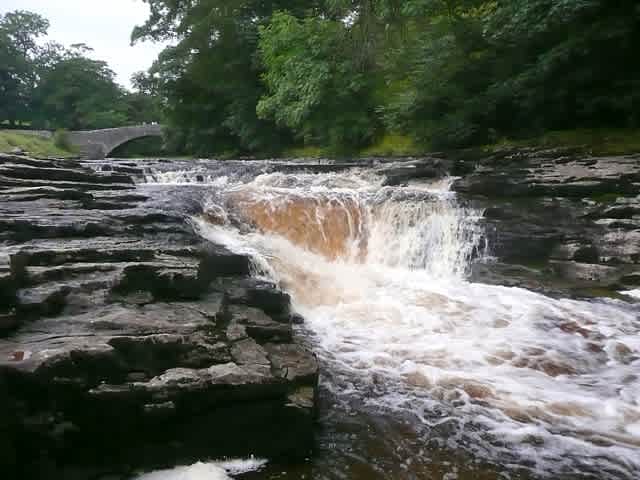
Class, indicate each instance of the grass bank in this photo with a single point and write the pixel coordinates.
(33, 145)
(599, 142)
(390, 145)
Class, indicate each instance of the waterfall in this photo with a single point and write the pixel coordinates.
(379, 273)
(352, 219)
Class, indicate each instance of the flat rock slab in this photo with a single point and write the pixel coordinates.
(542, 174)
(126, 340)
(568, 223)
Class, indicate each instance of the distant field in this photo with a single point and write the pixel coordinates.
(32, 144)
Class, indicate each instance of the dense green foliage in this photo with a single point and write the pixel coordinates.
(18, 63)
(520, 68)
(268, 76)
(313, 86)
(255, 75)
(77, 92)
(53, 87)
(210, 80)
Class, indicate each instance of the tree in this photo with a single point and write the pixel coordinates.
(18, 63)
(50, 86)
(449, 73)
(142, 108)
(78, 93)
(478, 70)
(210, 80)
(315, 87)
(585, 49)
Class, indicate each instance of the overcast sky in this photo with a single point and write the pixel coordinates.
(104, 25)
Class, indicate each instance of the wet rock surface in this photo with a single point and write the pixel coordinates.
(557, 221)
(401, 173)
(126, 341)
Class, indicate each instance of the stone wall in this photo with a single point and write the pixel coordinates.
(97, 144)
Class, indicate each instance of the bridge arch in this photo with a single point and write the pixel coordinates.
(98, 144)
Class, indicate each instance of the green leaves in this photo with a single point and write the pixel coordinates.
(19, 52)
(481, 69)
(79, 93)
(252, 75)
(299, 65)
(50, 86)
(314, 86)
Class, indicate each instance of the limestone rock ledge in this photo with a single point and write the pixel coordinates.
(557, 221)
(126, 341)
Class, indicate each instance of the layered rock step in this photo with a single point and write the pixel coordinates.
(556, 220)
(127, 342)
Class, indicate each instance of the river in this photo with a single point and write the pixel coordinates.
(425, 375)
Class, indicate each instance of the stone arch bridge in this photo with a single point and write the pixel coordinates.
(97, 144)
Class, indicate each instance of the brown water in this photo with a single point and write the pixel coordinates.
(425, 375)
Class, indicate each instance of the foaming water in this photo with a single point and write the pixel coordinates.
(352, 219)
(206, 471)
(633, 293)
(511, 376)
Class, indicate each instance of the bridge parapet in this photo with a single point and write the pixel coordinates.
(97, 144)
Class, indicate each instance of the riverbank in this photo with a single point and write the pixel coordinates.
(585, 141)
(33, 144)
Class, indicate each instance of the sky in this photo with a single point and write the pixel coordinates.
(104, 25)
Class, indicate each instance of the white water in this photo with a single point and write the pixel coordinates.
(206, 471)
(379, 275)
(633, 293)
(185, 177)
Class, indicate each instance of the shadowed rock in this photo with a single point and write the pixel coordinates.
(571, 220)
(126, 341)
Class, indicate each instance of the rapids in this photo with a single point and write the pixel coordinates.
(526, 384)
